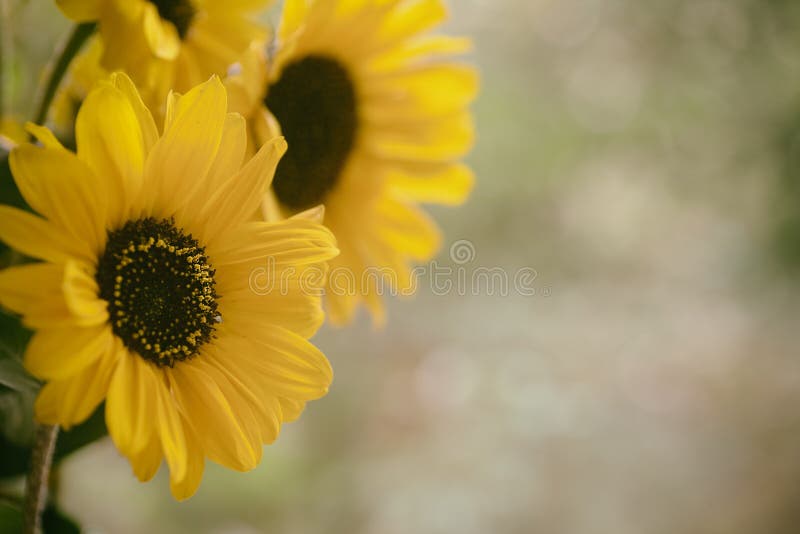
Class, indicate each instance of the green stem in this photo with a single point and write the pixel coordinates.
(59, 66)
(6, 53)
(39, 477)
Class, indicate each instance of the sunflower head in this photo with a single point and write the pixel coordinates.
(169, 44)
(151, 294)
(375, 110)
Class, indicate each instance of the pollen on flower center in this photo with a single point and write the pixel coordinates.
(178, 12)
(314, 101)
(160, 290)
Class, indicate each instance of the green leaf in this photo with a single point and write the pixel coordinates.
(9, 192)
(14, 459)
(54, 521)
(18, 389)
(10, 517)
(13, 338)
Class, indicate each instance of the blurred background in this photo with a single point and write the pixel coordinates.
(644, 159)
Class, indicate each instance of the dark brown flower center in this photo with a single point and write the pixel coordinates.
(314, 101)
(178, 12)
(159, 286)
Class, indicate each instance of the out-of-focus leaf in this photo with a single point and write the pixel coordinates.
(10, 517)
(17, 388)
(54, 521)
(14, 459)
(10, 195)
(16, 415)
(9, 192)
(13, 337)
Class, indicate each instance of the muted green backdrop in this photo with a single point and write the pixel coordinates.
(642, 157)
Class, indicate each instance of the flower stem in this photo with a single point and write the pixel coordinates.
(58, 67)
(38, 477)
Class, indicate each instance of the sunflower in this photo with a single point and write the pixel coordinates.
(375, 114)
(83, 73)
(170, 44)
(145, 297)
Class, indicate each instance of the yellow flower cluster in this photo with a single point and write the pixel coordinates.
(181, 187)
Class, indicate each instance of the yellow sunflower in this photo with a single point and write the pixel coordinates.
(375, 112)
(83, 73)
(170, 44)
(145, 297)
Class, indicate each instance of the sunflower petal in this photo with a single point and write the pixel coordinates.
(131, 407)
(58, 353)
(38, 238)
(180, 160)
(80, 10)
(64, 189)
(184, 487)
(212, 417)
(36, 291)
(240, 196)
(69, 402)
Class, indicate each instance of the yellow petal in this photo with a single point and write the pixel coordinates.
(80, 10)
(229, 159)
(294, 11)
(184, 487)
(209, 412)
(146, 123)
(110, 141)
(38, 238)
(162, 36)
(448, 184)
(439, 139)
(181, 159)
(291, 409)
(420, 50)
(58, 353)
(418, 93)
(36, 291)
(61, 187)
(43, 135)
(69, 402)
(131, 407)
(292, 241)
(145, 463)
(414, 16)
(170, 429)
(239, 197)
(264, 408)
(81, 294)
(409, 230)
(285, 363)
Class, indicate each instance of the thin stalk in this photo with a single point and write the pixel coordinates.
(6, 53)
(58, 67)
(39, 477)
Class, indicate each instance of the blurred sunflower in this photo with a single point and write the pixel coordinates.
(170, 44)
(144, 299)
(83, 73)
(375, 114)
(11, 132)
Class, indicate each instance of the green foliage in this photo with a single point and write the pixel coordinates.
(9, 192)
(54, 521)
(787, 229)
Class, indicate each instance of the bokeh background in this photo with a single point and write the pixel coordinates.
(644, 159)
